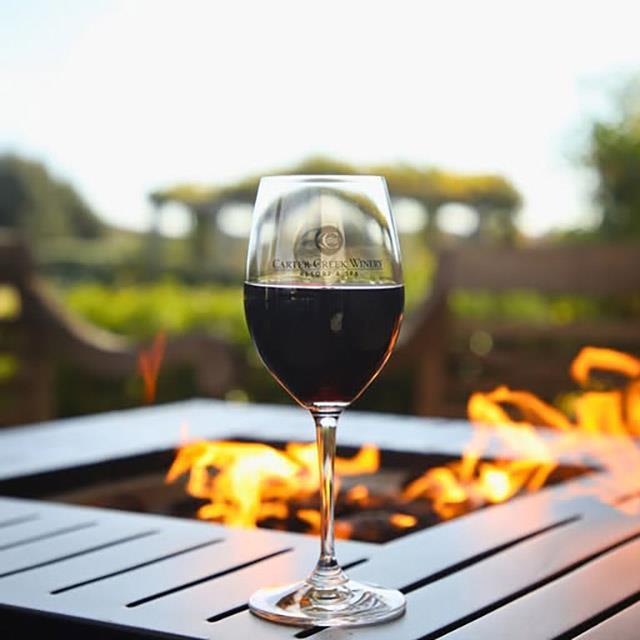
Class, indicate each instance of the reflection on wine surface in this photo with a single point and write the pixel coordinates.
(324, 345)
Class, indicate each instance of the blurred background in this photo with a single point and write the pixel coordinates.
(133, 136)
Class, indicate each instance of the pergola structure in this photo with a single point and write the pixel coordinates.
(494, 199)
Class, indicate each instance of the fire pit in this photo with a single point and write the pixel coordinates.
(147, 574)
(558, 561)
(377, 501)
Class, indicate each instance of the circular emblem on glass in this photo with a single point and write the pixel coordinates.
(329, 239)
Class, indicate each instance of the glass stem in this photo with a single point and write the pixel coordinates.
(327, 576)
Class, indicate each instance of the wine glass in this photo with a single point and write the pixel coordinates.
(323, 299)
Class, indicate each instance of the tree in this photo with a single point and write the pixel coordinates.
(40, 206)
(493, 197)
(614, 153)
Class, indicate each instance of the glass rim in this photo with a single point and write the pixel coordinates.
(323, 177)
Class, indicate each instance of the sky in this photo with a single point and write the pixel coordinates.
(124, 97)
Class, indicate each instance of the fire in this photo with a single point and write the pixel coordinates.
(312, 517)
(403, 520)
(358, 494)
(246, 484)
(591, 358)
(526, 458)
(252, 482)
(149, 362)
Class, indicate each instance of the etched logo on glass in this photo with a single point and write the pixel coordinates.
(329, 240)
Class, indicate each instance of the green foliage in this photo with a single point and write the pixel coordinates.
(106, 259)
(536, 308)
(418, 271)
(41, 206)
(8, 366)
(10, 303)
(79, 392)
(433, 187)
(140, 311)
(615, 155)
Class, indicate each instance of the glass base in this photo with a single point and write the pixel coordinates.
(353, 604)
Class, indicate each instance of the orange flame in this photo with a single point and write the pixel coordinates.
(358, 494)
(591, 358)
(246, 483)
(253, 482)
(312, 517)
(149, 362)
(403, 520)
(526, 459)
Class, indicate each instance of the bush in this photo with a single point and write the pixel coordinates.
(139, 311)
(537, 308)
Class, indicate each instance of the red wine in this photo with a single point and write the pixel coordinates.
(324, 345)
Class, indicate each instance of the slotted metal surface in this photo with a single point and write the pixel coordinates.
(621, 624)
(541, 567)
(141, 571)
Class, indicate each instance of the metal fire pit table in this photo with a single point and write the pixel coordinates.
(556, 564)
